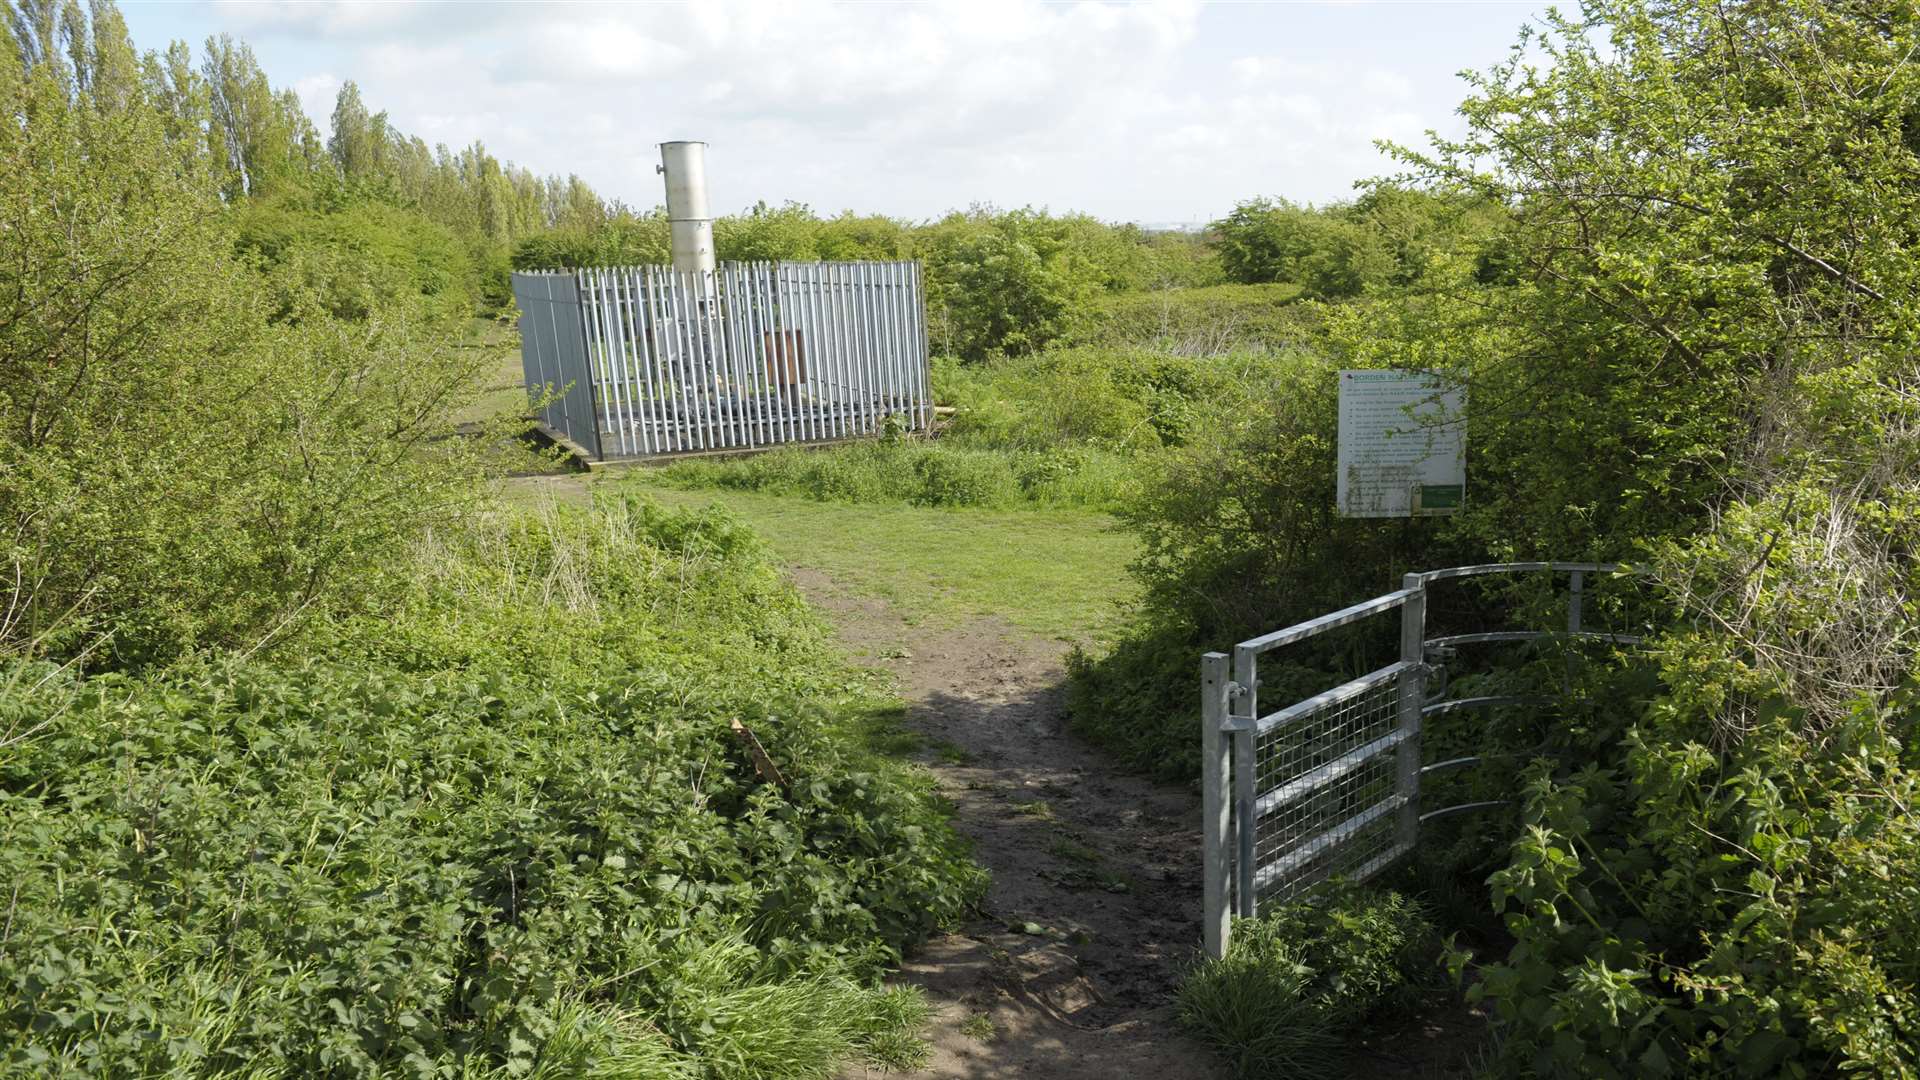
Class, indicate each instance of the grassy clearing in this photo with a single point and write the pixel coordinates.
(1055, 573)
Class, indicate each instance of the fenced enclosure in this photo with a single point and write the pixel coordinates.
(648, 361)
(1329, 786)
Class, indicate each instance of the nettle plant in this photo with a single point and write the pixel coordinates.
(1748, 912)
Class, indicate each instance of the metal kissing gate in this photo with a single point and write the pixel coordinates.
(651, 361)
(1330, 786)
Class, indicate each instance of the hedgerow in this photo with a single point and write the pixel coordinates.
(946, 474)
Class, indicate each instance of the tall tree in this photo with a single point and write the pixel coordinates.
(113, 68)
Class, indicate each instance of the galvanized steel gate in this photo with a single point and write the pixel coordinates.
(649, 361)
(1330, 786)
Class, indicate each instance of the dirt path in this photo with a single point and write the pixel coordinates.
(1095, 898)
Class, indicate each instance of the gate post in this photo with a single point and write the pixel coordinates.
(1216, 817)
(1413, 698)
(1245, 693)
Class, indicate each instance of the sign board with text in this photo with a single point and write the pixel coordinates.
(1403, 444)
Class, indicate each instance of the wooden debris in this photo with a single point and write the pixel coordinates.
(762, 764)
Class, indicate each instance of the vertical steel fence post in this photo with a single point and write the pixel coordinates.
(1576, 586)
(874, 366)
(1413, 697)
(1216, 817)
(1246, 677)
(642, 362)
(670, 435)
(833, 307)
(862, 346)
(778, 317)
(573, 352)
(922, 350)
(820, 372)
(904, 384)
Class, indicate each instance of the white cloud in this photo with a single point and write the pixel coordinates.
(1148, 111)
(316, 93)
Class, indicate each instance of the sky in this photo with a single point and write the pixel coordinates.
(1160, 113)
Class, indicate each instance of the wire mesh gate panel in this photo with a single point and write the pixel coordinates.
(1324, 791)
(1329, 786)
(751, 355)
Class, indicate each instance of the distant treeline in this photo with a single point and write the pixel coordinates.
(1009, 282)
(370, 214)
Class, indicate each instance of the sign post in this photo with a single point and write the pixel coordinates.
(1403, 443)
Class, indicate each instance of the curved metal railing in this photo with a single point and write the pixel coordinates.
(1330, 785)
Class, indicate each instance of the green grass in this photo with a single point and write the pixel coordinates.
(1054, 573)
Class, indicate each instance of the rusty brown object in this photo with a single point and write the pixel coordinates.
(762, 764)
(786, 357)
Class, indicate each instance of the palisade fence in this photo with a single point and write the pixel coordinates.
(1330, 786)
(647, 361)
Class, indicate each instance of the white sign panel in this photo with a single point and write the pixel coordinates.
(1403, 444)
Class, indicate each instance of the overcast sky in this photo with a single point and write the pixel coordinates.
(1159, 113)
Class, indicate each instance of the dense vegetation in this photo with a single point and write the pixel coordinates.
(1673, 263)
(1303, 978)
(1072, 426)
(314, 752)
(496, 820)
(1689, 342)
(316, 758)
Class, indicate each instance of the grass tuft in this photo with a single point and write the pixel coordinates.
(1298, 980)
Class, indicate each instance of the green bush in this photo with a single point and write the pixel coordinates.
(1125, 400)
(1389, 237)
(1692, 913)
(946, 478)
(919, 473)
(176, 471)
(499, 822)
(1208, 321)
(1297, 981)
(358, 259)
(1690, 351)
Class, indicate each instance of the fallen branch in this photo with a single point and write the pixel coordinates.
(762, 764)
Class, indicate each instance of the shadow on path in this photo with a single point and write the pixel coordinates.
(1094, 904)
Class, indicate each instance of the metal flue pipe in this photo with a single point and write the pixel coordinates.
(688, 216)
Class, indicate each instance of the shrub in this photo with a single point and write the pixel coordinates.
(1125, 400)
(1209, 321)
(357, 259)
(175, 471)
(919, 473)
(1390, 236)
(1297, 980)
(947, 478)
(1239, 535)
(1748, 913)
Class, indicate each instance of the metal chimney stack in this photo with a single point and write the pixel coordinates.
(685, 166)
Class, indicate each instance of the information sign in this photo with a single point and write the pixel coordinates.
(1403, 441)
